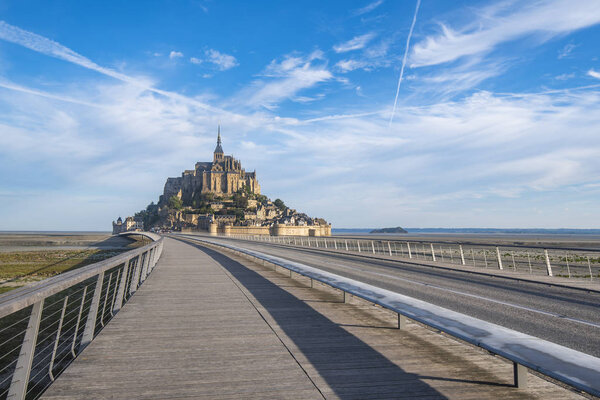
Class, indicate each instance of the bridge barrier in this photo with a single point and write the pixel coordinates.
(43, 327)
(577, 369)
(572, 264)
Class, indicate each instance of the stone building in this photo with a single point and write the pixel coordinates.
(130, 224)
(223, 176)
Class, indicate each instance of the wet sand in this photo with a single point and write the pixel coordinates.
(29, 241)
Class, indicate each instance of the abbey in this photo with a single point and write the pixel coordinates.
(223, 176)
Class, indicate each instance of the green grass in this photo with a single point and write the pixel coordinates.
(38, 265)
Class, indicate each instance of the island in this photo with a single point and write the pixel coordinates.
(389, 230)
(221, 197)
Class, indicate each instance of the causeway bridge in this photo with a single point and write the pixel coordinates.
(191, 316)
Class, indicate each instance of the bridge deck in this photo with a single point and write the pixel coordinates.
(205, 325)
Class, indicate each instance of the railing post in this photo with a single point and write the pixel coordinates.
(147, 259)
(548, 266)
(520, 375)
(346, 242)
(57, 339)
(373, 246)
(409, 252)
(144, 268)
(402, 321)
(432, 252)
(389, 248)
(78, 321)
(136, 276)
(325, 241)
(20, 379)
(105, 299)
(358, 244)
(121, 291)
(90, 323)
(114, 295)
(462, 255)
(499, 258)
(335, 243)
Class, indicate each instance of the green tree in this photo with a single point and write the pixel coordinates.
(279, 204)
(175, 203)
(240, 201)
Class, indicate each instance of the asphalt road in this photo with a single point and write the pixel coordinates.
(565, 316)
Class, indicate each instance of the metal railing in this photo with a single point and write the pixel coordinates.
(581, 264)
(577, 369)
(45, 326)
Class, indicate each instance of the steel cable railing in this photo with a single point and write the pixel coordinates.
(581, 264)
(44, 327)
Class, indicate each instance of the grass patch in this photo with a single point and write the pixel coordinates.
(38, 265)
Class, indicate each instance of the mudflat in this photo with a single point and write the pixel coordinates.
(30, 257)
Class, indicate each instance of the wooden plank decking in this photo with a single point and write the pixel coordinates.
(208, 325)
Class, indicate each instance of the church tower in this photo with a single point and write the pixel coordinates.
(218, 155)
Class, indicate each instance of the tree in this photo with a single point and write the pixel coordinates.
(240, 201)
(175, 203)
(279, 204)
(261, 198)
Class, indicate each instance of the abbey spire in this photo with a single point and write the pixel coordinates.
(218, 155)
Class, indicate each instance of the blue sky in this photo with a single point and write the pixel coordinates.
(496, 124)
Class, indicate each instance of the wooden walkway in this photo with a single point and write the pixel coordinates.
(208, 325)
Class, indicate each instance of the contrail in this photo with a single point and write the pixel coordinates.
(43, 45)
(412, 26)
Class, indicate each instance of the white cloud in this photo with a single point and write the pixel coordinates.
(356, 43)
(565, 76)
(566, 51)
(51, 48)
(195, 60)
(175, 54)
(368, 8)
(594, 74)
(547, 18)
(221, 60)
(371, 58)
(350, 65)
(285, 79)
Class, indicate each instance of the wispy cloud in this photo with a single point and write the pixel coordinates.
(546, 19)
(566, 51)
(195, 60)
(221, 60)
(368, 8)
(175, 54)
(594, 74)
(51, 48)
(356, 43)
(372, 57)
(285, 78)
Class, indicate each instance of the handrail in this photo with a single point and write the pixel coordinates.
(572, 367)
(18, 299)
(90, 306)
(553, 262)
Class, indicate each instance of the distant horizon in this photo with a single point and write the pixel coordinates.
(409, 230)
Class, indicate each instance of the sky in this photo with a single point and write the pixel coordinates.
(380, 113)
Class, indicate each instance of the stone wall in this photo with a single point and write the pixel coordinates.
(276, 230)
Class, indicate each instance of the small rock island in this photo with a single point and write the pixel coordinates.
(389, 230)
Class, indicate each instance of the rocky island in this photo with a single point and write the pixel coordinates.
(389, 230)
(221, 197)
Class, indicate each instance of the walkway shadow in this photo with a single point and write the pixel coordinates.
(351, 368)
